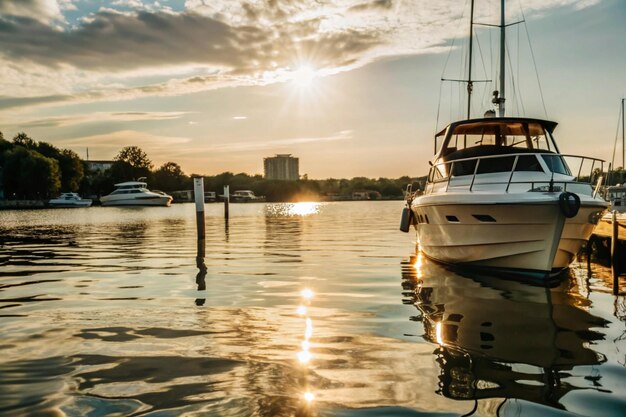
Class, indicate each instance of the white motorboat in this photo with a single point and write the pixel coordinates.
(69, 200)
(210, 197)
(135, 193)
(501, 196)
(246, 196)
(616, 195)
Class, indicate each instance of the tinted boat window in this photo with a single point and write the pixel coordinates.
(501, 164)
(464, 167)
(556, 164)
(528, 163)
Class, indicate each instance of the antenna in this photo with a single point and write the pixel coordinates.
(499, 98)
(470, 84)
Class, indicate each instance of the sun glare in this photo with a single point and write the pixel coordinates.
(303, 76)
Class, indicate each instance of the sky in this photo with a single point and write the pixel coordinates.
(351, 87)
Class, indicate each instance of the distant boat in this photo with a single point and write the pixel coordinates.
(246, 196)
(210, 197)
(135, 193)
(616, 195)
(69, 200)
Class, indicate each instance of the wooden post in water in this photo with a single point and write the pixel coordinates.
(198, 191)
(226, 200)
(615, 261)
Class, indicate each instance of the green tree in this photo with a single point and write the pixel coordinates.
(28, 174)
(70, 164)
(22, 139)
(72, 170)
(135, 157)
(170, 177)
(131, 163)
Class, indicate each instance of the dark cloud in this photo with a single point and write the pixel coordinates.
(12, 102)
(372, 5)
(116, 42)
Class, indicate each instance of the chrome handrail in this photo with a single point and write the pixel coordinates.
(449, 168)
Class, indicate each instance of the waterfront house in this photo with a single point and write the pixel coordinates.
(99, 166)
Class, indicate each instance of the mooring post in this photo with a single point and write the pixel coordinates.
(588, 251)
(198, 190)
(615, 252)
(226, 200)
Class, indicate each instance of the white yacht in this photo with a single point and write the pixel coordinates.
(246, 196)
(501, 196)
(69, 200)
(135, 193)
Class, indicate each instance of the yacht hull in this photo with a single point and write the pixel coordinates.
(143, 201)
(77, 204)
(533, 239)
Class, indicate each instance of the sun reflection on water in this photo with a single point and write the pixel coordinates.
(309, 396)
(300, 209)
(439, 333)
(304, 355)
(307, 293)
(303, 209)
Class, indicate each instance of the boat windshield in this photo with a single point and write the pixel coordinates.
(481, 138)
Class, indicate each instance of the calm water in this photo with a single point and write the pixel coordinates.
(295, 309)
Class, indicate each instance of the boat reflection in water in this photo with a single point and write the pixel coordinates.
(503, 339)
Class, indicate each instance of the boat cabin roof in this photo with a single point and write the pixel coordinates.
(494, 136)
(502, 125)
(135, 183)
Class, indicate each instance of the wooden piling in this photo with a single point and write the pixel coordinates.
(226, 201)
(615, 253)
(198, 190)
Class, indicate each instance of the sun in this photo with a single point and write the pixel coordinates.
(303, 76)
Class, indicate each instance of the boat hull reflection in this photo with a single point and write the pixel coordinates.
(502, 339)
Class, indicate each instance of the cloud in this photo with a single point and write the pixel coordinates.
(100, 117)
(119, 42)
(44, 11)
(375, 4)
(115, 55)
(131, 4)
(106, 146)
(278, 143)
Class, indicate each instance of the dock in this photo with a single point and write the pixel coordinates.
(604, 228)
(609, 238)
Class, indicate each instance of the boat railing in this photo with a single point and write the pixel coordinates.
(444, 172)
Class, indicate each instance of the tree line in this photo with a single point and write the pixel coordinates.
(39, 170)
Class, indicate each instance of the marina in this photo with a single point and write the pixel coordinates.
(130, 286)
(289, 313)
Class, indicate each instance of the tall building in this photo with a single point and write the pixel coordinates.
(282, 167)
